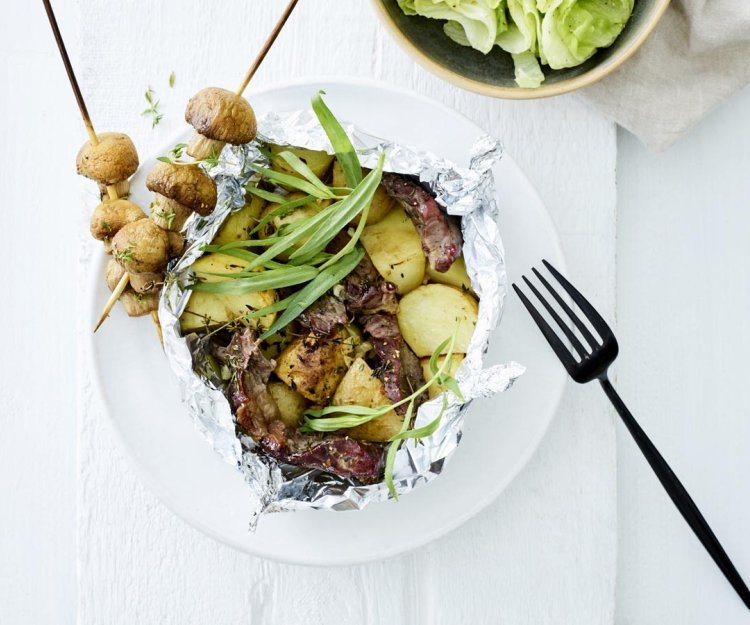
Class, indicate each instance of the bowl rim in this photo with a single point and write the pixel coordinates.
(589, 77)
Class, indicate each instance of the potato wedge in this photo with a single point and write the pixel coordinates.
(314, 367)
(318, 162)
(290, 403)
(437, 389)
(396, 250)
(381, 204)
(238, 225)
(456, 276)
(360, 387)
(428, 315)
(208, 310)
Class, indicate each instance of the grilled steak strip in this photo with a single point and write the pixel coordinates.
(440, 233)
(365, 291)
(258, 416)
(400, 370)
(325, 316)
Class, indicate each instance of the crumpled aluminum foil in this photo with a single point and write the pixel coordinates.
(469, 193)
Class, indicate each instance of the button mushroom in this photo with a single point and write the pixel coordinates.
(113, 273)
(176, 243)
(111, 215)
(110, 161)
(141, 247)
(219, 117)
(146, 282)
(180, 189)
(139, 304)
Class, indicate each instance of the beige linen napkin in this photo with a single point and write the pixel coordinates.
(697, 57)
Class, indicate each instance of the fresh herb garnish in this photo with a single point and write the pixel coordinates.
(153, 108)
(171, 79)
(345, 152)
(167, 216)
(124, 256)
(175, 157)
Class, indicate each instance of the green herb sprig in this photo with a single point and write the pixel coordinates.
(153, 108)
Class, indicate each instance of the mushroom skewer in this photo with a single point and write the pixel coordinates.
(109, 159)
(220, 116)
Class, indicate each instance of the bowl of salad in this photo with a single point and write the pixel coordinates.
(521, 49)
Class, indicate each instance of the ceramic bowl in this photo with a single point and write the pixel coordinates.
(493, 74)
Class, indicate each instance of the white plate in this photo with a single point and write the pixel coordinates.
(141, 397)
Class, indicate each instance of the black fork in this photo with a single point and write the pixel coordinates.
(594, 360)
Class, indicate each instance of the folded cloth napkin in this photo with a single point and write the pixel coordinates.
(697, 56)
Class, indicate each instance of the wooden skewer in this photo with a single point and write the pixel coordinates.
(111, 189)
(121, 286)
(267, 46)
(157, 325)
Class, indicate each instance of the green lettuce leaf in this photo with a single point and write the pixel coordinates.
(477, 18)
(528, 72)
(572, 30)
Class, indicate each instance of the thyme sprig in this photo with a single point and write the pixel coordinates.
(153, 107)
(176, 153)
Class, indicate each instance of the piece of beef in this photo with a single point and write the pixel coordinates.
(248, 392)
(258, 416)
(365, 291)
(325, 316)
(336, 454)
(400, 370)
(440, 233)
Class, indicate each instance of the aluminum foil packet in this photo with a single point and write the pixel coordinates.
(465, 192)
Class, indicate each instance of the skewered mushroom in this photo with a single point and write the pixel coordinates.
(135, 304)
(111, 160)
(141, 247)
(219, 117)
(113, 274)
(140, 304)
(180, 189)
(146, 282)
(176, 243)
(111, 215)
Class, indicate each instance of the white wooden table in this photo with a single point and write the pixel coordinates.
(81, 540)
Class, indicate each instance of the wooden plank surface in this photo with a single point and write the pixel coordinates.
(545, 552)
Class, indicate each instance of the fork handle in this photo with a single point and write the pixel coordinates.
(678, 495)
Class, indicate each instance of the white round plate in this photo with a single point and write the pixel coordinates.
(501, 434)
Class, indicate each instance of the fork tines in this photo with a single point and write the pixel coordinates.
(592, 346)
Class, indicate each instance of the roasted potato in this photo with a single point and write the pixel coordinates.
(360, 387)
(238, 225)
(396, 250)
(275, 344)
(206, 310)
(381, 204)
(455, 276)
(436, 389)
(430, 314)
(318, 162)
(314, 366)
(290, 403)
